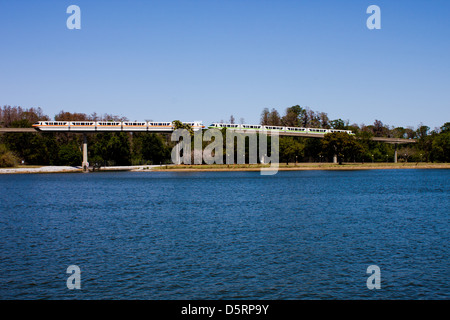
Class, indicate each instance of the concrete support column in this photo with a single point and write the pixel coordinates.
(395, 153)
(85, 163)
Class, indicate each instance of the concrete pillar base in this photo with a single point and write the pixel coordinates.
(85, 164)
(395, 153)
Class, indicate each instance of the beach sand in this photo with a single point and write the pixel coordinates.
(236, 167)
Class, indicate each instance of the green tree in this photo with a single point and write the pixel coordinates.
(70, 155)
(265, 117)
(399, 132)
(338, 124)
(445, 128)
(441, 147)
(295, 117)
(291, 149)
(424, 142)
(111, 146)
(274, 118)
(313, 148)
(154, 149)
(177, 124)
(7, 158)
(341, 144)
(379, 129)
(31, 147)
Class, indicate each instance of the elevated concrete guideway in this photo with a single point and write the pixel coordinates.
(292, 134)
(19, 130)
(321, 135)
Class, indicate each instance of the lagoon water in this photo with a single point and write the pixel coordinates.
(226, 235)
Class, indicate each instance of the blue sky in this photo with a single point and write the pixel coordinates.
(208, 59)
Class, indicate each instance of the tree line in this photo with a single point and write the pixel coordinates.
(432, 145)
(126, 148)
(64, 148)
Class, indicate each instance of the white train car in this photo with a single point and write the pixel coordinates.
(52, 125)
(105, 126)
(134, 126)
(159, 126)
(296, 129)
(196, 125)
(108, 126)
(276, 128)
(82, 126)
(317, 130)
(250, 127)
(273, 128)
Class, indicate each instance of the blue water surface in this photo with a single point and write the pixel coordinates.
(226, 235)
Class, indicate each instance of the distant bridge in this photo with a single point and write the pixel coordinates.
(157, 130)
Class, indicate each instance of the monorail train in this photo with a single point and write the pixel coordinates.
(275, 128)
(101, 126)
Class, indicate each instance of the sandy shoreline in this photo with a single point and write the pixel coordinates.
(67, 169)
(217, 168)
(305, 167)
(44, 169)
